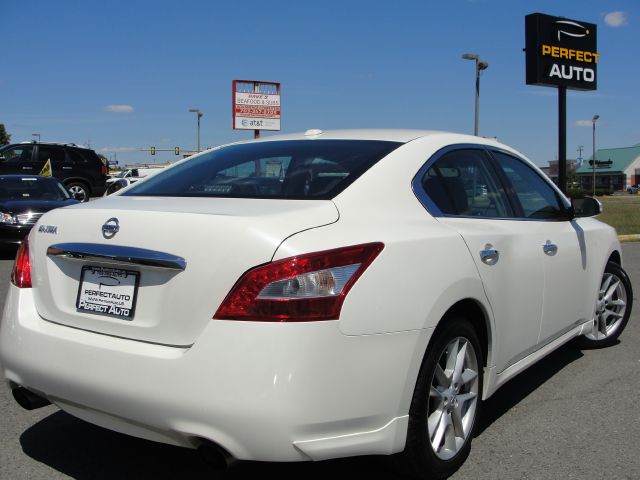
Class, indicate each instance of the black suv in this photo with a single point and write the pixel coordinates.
(78, 168)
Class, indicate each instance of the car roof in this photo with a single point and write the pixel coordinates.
(390, 135)
(57, 144)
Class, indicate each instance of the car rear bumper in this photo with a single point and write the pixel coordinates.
(272, 391)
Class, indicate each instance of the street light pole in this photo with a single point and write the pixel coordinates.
(593, 161)
(199, 114)
(479, 66)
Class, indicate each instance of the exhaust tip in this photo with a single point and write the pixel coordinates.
(29, 400)
(215, 456)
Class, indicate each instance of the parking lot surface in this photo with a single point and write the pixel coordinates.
(573, 415)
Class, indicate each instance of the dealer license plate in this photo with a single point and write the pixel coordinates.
(108, 291)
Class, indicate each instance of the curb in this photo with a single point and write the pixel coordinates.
(629, 238)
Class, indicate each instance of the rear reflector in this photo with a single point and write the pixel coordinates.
(298, 289)
(21, 273)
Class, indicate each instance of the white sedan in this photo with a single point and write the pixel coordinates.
(311, 296)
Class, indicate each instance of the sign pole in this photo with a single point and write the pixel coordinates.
(562, 138)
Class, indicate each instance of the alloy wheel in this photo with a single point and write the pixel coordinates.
(610, 307)
(453, 398)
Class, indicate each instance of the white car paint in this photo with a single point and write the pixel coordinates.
(293, 391)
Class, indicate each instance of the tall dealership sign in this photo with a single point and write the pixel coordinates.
(256, 105)
(561, 53)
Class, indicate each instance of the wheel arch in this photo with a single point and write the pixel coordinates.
(474, 312)
(615, 257)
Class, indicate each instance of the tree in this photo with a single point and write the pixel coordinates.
(5, 138)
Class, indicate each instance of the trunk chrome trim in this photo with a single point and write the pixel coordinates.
(117, 253)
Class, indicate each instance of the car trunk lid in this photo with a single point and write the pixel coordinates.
(176, 259)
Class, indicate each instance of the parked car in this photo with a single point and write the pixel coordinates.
(633, 189)
(126, 177)
(78, 168)
(23, 200)
(353, 298)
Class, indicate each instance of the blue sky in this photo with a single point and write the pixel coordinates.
(342, 64)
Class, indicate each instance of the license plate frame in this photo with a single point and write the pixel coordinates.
(108, 291)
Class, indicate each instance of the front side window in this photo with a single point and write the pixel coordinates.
(19, 154)
(536, 198)
(292, 169)
(462, 183)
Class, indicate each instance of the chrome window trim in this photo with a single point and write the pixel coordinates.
(430, 206)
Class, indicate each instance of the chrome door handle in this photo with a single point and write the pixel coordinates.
(550, 248)
(67, 168)
(489, 255)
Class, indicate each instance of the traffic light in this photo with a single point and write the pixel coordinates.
(177, 150)
(153, 150)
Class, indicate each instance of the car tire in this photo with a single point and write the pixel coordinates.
(613, 308)
(79, 190)
(446, 403)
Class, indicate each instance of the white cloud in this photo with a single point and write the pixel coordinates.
(118, 108)
(615, 19)
(583, 123)
(117, 149)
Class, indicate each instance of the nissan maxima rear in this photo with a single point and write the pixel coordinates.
(311, 296)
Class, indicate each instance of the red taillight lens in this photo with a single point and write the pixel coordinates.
(298, 289)
(21, 273)
(103, 170)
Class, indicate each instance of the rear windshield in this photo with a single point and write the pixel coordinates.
(294, 169)
(31, 188)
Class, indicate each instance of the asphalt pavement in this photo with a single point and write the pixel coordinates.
(574, 415)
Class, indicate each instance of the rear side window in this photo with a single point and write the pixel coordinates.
(55, 154)
(75, 157)
(295, 169)
(462, 183)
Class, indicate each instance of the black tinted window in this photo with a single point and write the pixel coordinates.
(299, 169)
(75, 157)
(19, 154)
(55, 154)
(461, 182)
(536, 198)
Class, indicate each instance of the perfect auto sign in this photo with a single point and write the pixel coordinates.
(561, 52)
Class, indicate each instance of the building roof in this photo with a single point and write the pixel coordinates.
(621, 158)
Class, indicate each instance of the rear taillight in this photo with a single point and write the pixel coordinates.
(298, 289)
(103, 169)
(21, 273)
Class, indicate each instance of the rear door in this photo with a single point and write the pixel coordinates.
(463, 191)
(55, 154)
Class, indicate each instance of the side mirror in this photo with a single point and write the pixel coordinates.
(586, 207)
(119, 184)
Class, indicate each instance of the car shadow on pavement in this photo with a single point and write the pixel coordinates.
(518, 388)
(84, 451)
